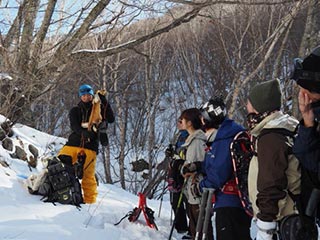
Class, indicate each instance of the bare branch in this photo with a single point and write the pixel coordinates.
(128, 45)
(78, 35)
(15, 26)
(42, 33)
(276, 34)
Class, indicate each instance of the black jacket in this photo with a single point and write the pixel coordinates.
(81, 137)
(307, 149)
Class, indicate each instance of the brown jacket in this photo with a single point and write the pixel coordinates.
(274, 172)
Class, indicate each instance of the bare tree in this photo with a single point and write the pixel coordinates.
(153, 67)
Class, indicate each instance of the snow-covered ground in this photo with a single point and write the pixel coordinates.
(25, 216)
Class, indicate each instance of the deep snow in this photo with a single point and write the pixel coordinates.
(25, 216)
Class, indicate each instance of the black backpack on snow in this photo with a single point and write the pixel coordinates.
(61, 183)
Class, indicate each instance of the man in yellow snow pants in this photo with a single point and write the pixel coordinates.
(86, 140)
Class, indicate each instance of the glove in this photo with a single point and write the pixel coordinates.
(191, 168)
(103, 99)
(176, 165)
(78, 166)
(169, 151)
(265, 230)
(195, 188)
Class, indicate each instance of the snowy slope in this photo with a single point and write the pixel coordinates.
(25, 216)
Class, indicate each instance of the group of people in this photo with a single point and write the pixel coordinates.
(284, 173)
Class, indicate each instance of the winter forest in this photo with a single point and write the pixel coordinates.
(155, 58)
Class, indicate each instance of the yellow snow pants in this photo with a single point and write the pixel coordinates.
(88, 183)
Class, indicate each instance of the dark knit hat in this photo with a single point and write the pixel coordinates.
(266, 96)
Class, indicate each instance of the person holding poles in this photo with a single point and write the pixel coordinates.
(175, 181)
(193, 150)
(231, 220)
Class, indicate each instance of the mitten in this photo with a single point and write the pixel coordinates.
(265, 230)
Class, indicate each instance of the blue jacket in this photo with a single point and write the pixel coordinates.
(183, 134)
(217, 166)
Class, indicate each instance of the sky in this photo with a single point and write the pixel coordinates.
(24, 216)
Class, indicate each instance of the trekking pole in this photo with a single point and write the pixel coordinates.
(208, 213)
(178, 206)
(204, 214)
(171, 201)
(201, 213)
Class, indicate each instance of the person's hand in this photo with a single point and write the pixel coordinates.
(265, 230)
(190, 168)
(169, 151)
(305, 108)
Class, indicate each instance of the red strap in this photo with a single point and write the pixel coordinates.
(213, 200)
(230, 187)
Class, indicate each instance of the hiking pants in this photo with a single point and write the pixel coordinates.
(232, 223)
(88, 183)
(181, 223)
(193, 214)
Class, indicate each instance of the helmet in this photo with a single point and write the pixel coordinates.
(306, 72)
(214, 111)
(85, 89)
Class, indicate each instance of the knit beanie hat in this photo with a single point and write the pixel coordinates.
(85, 89)
(266, 96)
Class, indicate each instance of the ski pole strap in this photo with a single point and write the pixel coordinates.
(121, 219)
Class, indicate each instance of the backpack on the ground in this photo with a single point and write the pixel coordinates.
(57, 183)
(241, 153)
